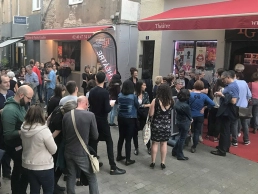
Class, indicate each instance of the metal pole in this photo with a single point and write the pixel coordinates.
(18, 7)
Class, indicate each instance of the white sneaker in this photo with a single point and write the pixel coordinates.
(45, 107)
(239, 134)
(200, 139)
(247, 142)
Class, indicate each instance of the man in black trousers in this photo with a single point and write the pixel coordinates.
(100, 106)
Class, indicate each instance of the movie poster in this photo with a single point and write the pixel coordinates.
(200, 57)
(188, 59)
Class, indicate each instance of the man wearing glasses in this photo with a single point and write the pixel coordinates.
(227, 112)
(12, 118)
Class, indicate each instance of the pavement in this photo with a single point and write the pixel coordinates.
(202, 173)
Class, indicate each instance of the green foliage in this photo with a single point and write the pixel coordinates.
(4, 62)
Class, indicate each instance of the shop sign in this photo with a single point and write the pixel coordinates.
(22, 20)
(242, 34)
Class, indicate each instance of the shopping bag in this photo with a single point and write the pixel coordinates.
(146, 132)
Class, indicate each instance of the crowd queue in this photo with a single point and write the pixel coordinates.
(43, 146)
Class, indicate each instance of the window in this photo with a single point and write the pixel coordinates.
(36, 5)
(73, 2)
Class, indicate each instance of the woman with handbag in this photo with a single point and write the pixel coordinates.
(38, 147)
(160, 110)
(127, 120)
(144, 104)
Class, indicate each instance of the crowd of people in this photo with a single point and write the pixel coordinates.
(43, 146)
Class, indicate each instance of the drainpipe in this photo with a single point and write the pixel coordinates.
(18, 7)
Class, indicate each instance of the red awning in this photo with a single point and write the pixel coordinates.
(83, 33)
(233, 14)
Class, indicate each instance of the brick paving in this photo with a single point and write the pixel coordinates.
(203, 173)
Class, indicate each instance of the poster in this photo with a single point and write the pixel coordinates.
(200, 57)
(210, 58)
(188, 59)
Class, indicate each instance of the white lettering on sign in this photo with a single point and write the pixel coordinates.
(162, 26)
(81, 37)
(255, 23)
(104, 62)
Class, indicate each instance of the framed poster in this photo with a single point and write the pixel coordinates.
(188, 59)
(200, 57)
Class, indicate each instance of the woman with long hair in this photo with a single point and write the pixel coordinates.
(183, 122)
(144, 105)
(127, 120)
(85, 78)
(53, 102)
(21, 76)
(114, 90)
(160, 110)
(38, 147)
(158, 80)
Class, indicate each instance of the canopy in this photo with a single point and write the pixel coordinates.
(83, 33)
(8, 42)
(233, 14)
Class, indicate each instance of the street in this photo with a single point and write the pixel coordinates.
(202, 173)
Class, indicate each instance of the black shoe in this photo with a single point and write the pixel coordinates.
(136, 151)
(152, 165)
(129, 162)
(98, 157)
(173, 154)
(149, 151)
(117, 171)
(162, 166)
(100, 164)
(184, 158)
(217, 153)
(112, 125)
(254, 131)
(7, 176)
(58, 188)
(78, 183)
(217, 147)
(193, 150)
(119, 158)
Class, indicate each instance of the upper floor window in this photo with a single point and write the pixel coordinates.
(36, 5)
(73, 2)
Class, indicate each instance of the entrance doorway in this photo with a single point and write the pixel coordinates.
(148, 56)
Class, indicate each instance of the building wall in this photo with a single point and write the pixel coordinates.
(164, 40)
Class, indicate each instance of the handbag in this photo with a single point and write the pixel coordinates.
(2, 152)
(94, 161)
(146, 132)
(245, 113)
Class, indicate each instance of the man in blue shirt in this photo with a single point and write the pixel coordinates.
(244, 96)
(227, 111)
(50, 82)
(32, 80)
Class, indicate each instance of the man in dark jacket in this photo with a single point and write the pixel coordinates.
(12, 118)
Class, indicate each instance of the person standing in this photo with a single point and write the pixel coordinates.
(72, 89)
(182, 78)
(114, 90)
(32, 80)
(42, 74)
(38, 147)
(127, 120)
(227, 112)
(183, 122)
(54, 101)
(74, 153)
(158, 82)
(50, 83)
(100, 106)
(254, 89)
(37, 71)
(134, 75)
(160, 110)
(5, 93)
(146, 77)
(12, 118)
(177, 88)
(85, 78)
(13, 83)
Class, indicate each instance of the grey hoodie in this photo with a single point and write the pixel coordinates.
(38, 147)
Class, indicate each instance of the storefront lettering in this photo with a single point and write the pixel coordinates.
(162, 25)
(81, 37)
(247, 33)
(104, 62)
(255, 23)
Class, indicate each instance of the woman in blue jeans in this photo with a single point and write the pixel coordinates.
(127, 120)
(38, 147)
(183, 122)
(198, 102)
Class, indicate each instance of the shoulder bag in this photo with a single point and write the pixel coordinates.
(94, 161)
(146, 132)
(246, 113)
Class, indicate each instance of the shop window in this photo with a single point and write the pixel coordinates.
(194, 54)
(69, 54)
(73, 2)
(36, 5)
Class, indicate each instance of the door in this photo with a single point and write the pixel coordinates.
(148, 56)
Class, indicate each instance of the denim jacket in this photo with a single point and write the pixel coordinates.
(127, 106)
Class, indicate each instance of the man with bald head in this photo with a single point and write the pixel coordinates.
(74, 152)
(12, 118)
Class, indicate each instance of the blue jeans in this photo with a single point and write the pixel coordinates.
(44, 178)
(183, 128)
(113, 113)
(39, 88)
(83, 162)
(196, 129)
(50, 93)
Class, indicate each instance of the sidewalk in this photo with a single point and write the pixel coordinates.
(203, 173)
